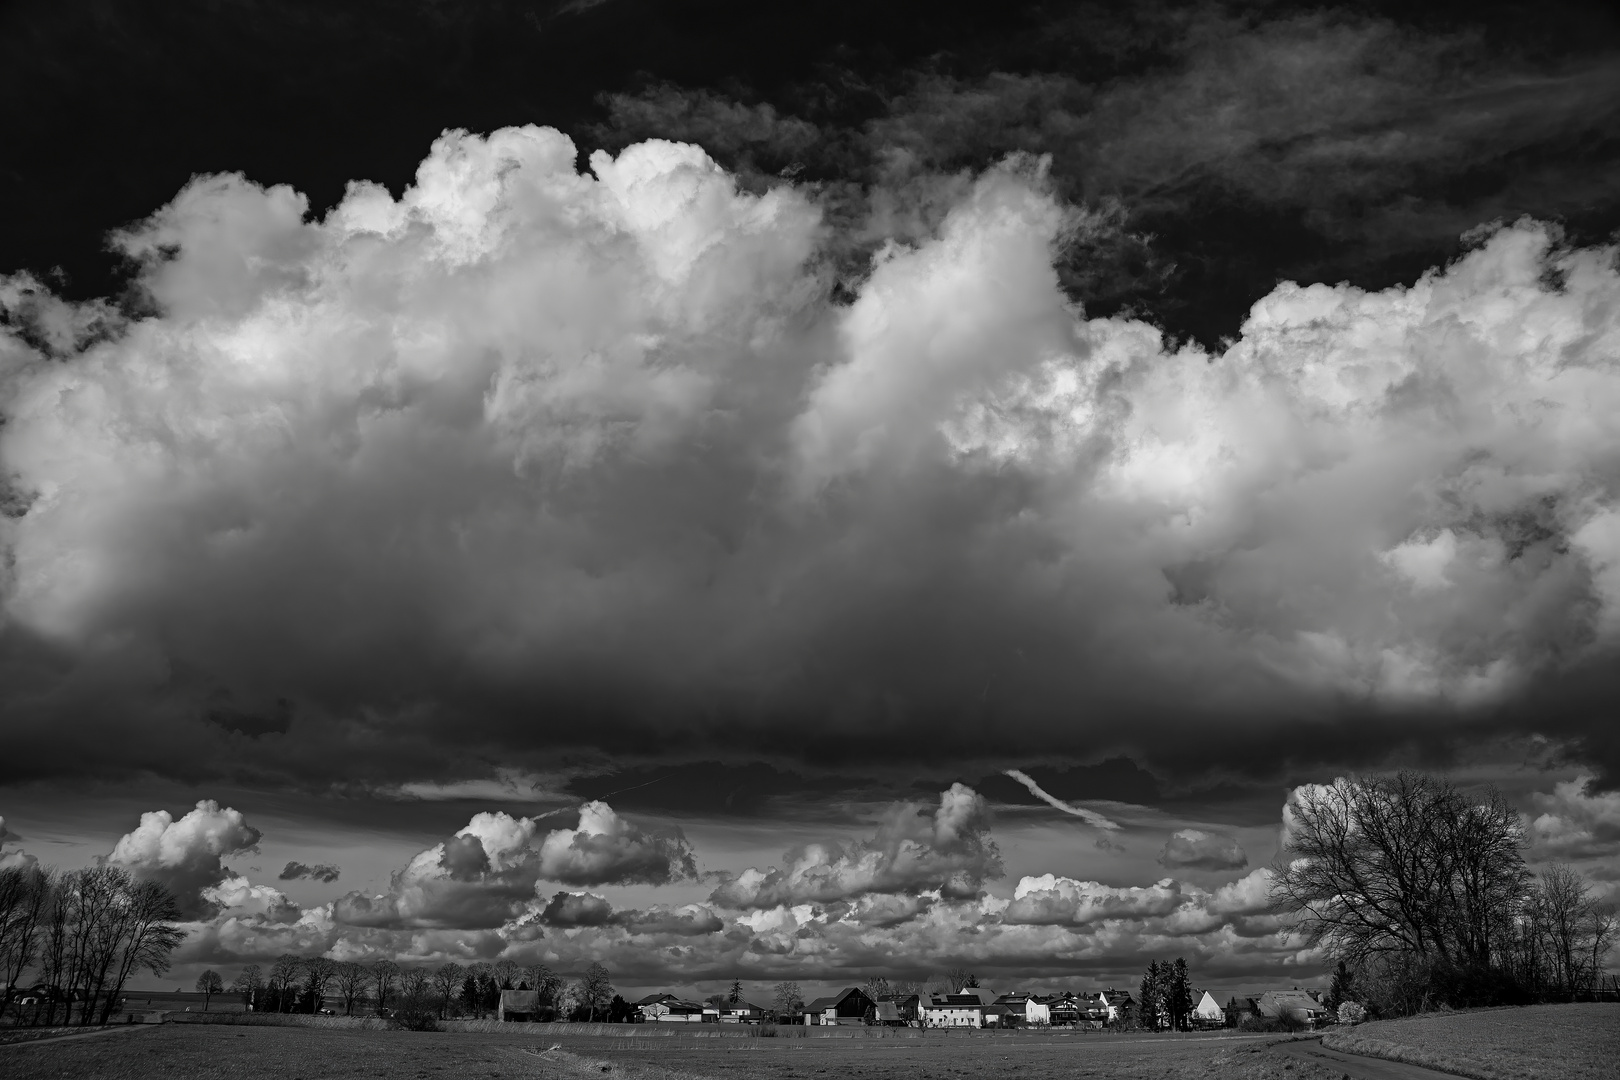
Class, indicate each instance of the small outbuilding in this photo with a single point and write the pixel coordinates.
(519, 1005)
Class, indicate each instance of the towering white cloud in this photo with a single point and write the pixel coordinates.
(486, 874)
(186, 853)
(528, 457)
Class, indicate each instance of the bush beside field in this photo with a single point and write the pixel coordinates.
(1537, 1042)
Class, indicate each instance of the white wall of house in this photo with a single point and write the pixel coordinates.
(952, 1017)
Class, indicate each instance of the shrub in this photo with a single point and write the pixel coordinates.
(1351, 1013)
(414, 1016)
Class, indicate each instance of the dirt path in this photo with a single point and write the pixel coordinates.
(92, 1033)
(1355, 1066)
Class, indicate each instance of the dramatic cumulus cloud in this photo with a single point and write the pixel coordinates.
(607, 849)
(1577, 822)
(185, 853)
(528, 458)
(487, 872)
(1196, 849)
(900, 913)
(322, 872)
(948, 850)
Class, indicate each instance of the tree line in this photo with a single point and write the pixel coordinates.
(417, 995)
(1420, 892)
(86, 932)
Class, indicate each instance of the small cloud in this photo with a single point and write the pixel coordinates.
(1090, 817)
(321, 872)
(1198, 850)
(577, 909)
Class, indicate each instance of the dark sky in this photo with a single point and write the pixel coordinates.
(546, 460)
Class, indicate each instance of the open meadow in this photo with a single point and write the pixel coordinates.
(1536, 1042)
(239, 1052)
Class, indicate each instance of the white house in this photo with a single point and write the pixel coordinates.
(1115, 1003)
(1208, 1012)
(1028, 1008)
(954, 1010)
(669, 1009)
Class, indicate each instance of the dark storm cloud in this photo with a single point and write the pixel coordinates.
(297, 871)
(1229, 149)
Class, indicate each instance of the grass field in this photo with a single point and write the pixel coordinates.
(1540, 1042)
(231, 1052)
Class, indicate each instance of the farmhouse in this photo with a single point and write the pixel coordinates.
(901, 1009)
(519, 1005)
(1240, 1009)
(1208, 1012)
(1026, 1009)
(1116, 1005)
(848, 1007)
(1298, 1005)
(1064, 1009)
(669, 1009)
(740, 1012)
(963, 1009)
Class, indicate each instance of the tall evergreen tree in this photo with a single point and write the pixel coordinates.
(1180, 1005)
(1148, 1002)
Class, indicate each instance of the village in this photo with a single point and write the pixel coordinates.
(977, 1007)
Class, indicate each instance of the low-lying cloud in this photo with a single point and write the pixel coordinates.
(322, 872)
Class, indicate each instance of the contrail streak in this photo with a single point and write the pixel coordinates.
(1091, 817)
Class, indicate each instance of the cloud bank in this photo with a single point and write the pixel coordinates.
(596, 462)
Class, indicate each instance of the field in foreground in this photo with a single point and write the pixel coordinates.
(1539, 1042)
(199, 1052)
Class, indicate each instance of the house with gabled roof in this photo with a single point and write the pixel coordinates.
(1026, 1009)
(669, 1009)
(1301, 1006)
(848, 1007)
(1116, 1005)
(1208, 1012)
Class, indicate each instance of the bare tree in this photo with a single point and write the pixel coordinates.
(877, 987)
(249, 981)
(788, 1000)
(284, 975)
(385, 977)
(959, 977)
(596, 990)
(208, 984)
(447, 980)
(25, 895)
(1573, 928)
(1403, 863)
(351, 979)
(318, 975)
(506, 974)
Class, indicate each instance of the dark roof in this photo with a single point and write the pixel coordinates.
(888, 1010)
(823, 1003)
(654, 999)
